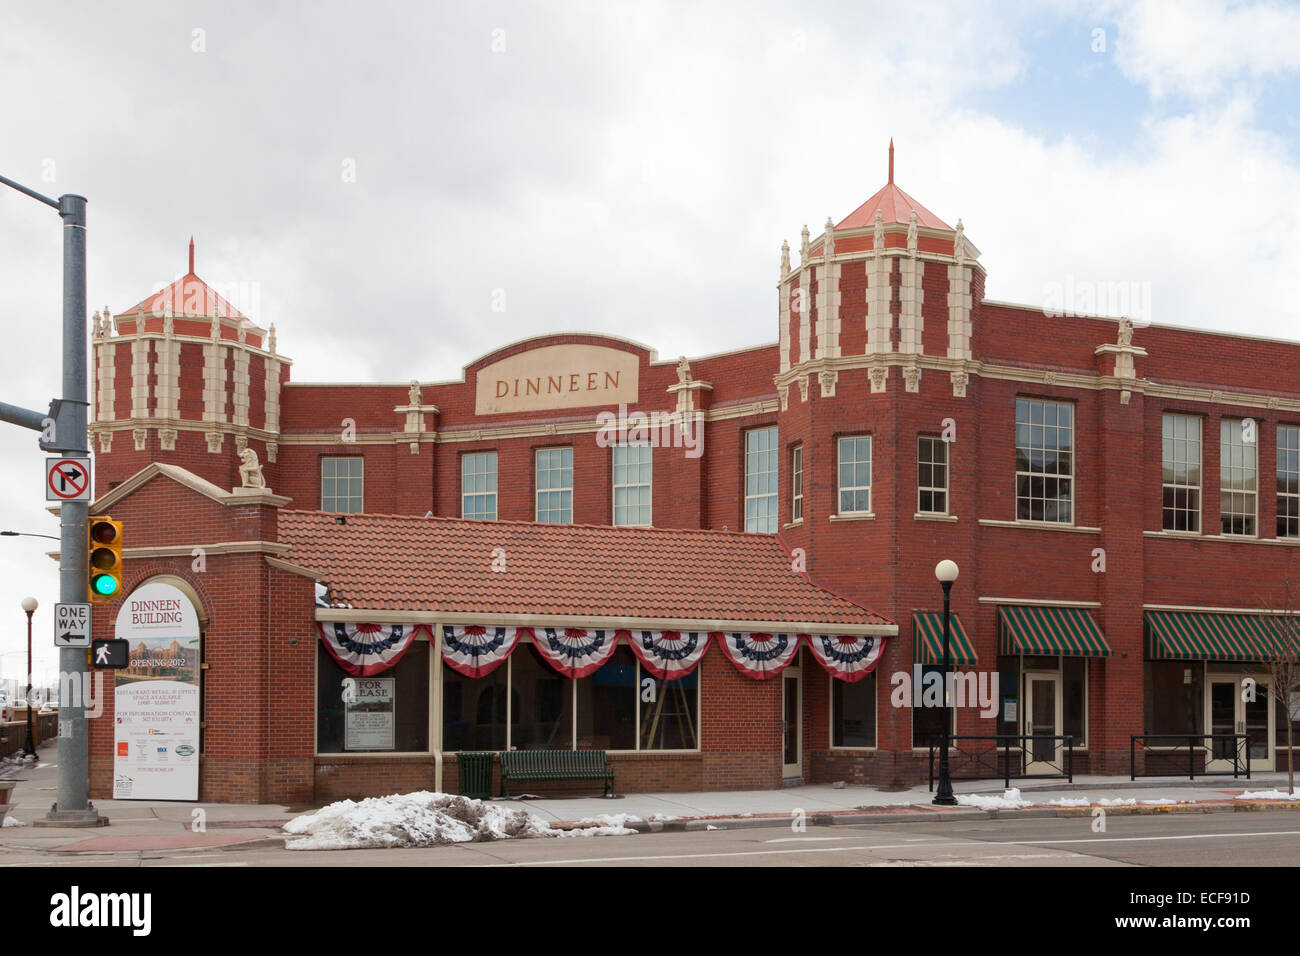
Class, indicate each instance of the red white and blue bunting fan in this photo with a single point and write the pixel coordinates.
(475, 650)
(758, 655)
(574, 651)
(364, 650)
(848, 657)
(668, 655)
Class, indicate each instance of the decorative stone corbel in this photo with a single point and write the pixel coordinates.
(141, 436)
(879, 375)
(214, 441)
(167, 439)
(828, 377)
(960, 379)
(803, 387)
(241, 442)
(783, 392)
(911, 378)
(106, 441)
(272, 449)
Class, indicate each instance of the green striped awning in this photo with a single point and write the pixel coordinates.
(1195, 636)
(1032, 629)
(927, 640)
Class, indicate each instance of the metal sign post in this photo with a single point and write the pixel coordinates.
(63, 430)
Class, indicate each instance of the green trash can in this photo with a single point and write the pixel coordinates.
(475, 774)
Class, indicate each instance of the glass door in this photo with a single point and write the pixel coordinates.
(1230, 713)
(1042, 722)
(791, 723)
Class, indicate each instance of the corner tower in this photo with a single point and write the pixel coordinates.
(184, 377)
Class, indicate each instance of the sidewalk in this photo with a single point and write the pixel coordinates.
(161, 825)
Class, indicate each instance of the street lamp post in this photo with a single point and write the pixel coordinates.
(29, 606)
(946, 572)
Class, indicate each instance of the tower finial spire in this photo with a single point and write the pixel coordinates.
(891, 159)
(192, 241)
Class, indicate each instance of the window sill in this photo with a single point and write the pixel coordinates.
(1040, 526)
(855, 516)
(1229, 538)
(932, 516)
(856, 750)
(792, 524)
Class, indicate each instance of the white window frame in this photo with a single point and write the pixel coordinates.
(648, 450)
(361, 499)
(1248, 450)
(1293, 497)
(1043, 475)
(490, 476)
(933, 489)
(563, 489)
(840, 487)
(796, 483)
(752, 458)
(1169, 445)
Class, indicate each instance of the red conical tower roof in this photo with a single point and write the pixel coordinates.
(188, 296)
(894, 205)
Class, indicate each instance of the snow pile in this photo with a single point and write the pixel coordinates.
(1268, 795)
(603, 824)
(1161, 802)
(1008, 801)
(13, 822)
(1069, 802)
(663, 817)
(1117, 801)
(409, 819)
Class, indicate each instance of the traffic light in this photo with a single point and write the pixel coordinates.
(105, 559)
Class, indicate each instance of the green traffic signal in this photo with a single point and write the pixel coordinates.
(104, 584)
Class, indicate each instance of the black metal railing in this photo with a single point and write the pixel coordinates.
(1167, 751)
(1005, 755)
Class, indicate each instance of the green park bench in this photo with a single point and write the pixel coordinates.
(521, 765)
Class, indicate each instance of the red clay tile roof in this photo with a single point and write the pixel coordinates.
(187, 296)
(444, 565)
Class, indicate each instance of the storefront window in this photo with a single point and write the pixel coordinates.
(1009, 692)
(853, 712)
(670, 718)
(1074, 699)
(385, 713)
(607, 704)
(1171, 692)
(927, 722)
(1279, 723)
(543, 715)
(474, 710)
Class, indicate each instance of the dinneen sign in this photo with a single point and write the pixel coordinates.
(557, 376)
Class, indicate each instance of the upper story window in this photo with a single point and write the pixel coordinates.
(1181, 472)
(555, 485)
(931, 475)
(633, 466)
(342, 484)
(796, 483)
(1044, 460)
(1288, 481)
(478, 486)
(855, 475)
(760, 480)
(1237, 477)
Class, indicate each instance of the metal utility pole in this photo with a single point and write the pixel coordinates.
(64, 431)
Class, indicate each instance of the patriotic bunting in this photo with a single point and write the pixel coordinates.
(847, 657)
(476, 651)
(668, 655)
(364, 650)
(759, 656)
(575, 651)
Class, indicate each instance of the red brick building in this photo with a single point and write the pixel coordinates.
(1124, 505)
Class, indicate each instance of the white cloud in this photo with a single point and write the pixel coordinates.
(1199, 48)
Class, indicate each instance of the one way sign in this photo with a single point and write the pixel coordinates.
(72, 625)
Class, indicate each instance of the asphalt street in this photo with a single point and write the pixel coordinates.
(1179, 840)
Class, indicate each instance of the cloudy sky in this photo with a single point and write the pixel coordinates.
(370, 176)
